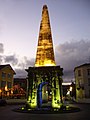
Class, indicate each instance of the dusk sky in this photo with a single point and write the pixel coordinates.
(19, 30)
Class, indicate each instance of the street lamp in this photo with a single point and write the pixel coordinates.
(0, 93)
(70, 89)
(6, 89)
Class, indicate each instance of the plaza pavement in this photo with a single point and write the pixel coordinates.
(7, 113)
(16, 101)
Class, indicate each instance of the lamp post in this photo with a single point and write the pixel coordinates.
(71, 88)
(71, 92)
(6, 90)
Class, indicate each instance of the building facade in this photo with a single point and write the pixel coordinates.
(6, 79)
(82, 78)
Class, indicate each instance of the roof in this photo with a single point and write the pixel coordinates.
(83, 65)
(2, 66)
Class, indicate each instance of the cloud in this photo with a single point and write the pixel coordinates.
(22, 65)
(1, 48)
(11, 59)
(25, 62)
(1, 59)
(1, 52)
(19, 64)
(71, 54)
(68, 56)
(21, 73)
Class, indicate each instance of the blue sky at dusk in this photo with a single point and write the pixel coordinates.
(19, 30)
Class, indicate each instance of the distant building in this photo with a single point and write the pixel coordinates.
(22, 82)
(19, 88)
(6, 79)
(69, 90)
(65, 88)
(82, 78)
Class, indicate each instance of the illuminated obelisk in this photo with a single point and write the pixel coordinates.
(45, 52)
(45, 78)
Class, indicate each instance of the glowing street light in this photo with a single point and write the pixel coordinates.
(0, 90)
(6, 88)
(0, 93)
(70, 88)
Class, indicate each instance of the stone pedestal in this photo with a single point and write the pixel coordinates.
(38, 77)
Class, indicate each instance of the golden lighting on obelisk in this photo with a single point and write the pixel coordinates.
(45, 52)
(45, 75)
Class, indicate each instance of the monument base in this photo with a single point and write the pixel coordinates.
(44, 82)
(48, 110)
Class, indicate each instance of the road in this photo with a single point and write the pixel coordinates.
(7, 113)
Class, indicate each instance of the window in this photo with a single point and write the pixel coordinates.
(89, 81)
(79, 72)
(88, 71)
(9, 84)
(9, 75)
(3, 74)
(89, 93)
(3, 84)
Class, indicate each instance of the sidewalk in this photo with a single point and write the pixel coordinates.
(16, 101)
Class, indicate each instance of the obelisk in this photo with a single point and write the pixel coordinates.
(45, 52)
